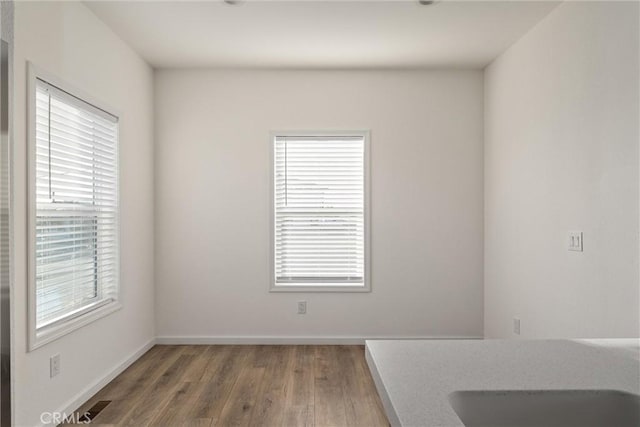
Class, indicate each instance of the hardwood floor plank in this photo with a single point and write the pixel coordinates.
(329, 405)
(181, 409)
(218, 381)
(176, 409)
(223, 385)
(158, 395)
(220, 355)
(299, 408)
(128, 388)
(198, 422)
(202, 356)
(272, 394)
(363, 374)
(120, 385)
(357, 410)
(361, 399)
(261, 355)
(241, 401)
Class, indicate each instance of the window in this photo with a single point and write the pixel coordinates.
(320, 212)
(74, 245)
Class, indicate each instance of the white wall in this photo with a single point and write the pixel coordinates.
(66, 39)
(561, 153)
(212, 201)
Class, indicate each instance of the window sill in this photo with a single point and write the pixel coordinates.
(47, 334)
(319, 288)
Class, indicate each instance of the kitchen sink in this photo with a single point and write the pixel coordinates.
(547, 408)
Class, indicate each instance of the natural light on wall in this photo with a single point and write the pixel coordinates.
(320, 239)
(75, 253)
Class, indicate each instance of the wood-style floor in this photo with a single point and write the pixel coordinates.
(243, 385)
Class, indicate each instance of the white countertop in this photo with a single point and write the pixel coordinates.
(415, 377)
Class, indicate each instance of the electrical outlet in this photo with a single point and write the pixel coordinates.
(54, 365)
(575, 241)
(302, 307)
(516, 326)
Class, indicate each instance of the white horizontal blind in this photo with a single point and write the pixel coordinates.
(76, 247)
(319, 210)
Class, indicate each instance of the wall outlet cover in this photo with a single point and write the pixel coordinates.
(302, 307)
(575, 241)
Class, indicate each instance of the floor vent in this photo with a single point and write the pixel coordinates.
(94, 411)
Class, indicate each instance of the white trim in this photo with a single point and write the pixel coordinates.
(77, 100)
(366, 286)
(293, 340)
(88, 392)
(34, 71)
(52, 333)
(37, 339)
(319, 288)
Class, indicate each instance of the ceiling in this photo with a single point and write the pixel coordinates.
(320, 34)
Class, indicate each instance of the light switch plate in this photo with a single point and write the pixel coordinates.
(54, 365)
(575, 241)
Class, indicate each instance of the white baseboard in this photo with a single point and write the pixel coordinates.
(273, 340)
(86, 394)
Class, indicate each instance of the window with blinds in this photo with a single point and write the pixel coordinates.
(320, 212)
(75, 241)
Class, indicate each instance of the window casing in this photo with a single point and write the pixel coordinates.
(320, 208)
(73, 210)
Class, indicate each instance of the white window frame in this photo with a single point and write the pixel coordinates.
(366, 285)
(88, 314)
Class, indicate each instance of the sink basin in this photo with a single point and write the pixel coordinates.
(547, 408)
